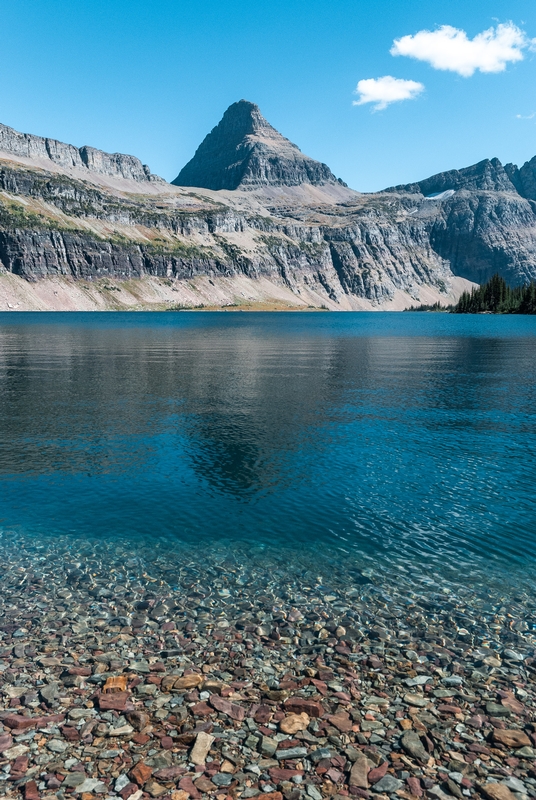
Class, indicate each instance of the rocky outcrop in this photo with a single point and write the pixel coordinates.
(481, 219)
(115, 165)
(524, 178)
(244, 150)
(488, 175)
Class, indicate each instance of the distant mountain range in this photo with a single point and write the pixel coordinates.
(250, 221)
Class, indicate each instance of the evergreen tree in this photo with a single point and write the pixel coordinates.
(497, 297)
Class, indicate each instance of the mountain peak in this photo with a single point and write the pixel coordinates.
(245, 151)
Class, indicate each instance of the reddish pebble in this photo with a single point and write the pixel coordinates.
(263, 714)
(31, 791)
(202, 710)
(298, 705)
(141, 773)
(414, 785)
(357, 792)
(129, 789)
(186, 784)
(140, 738)
(334, 775)
(378, 773)
(278, 775)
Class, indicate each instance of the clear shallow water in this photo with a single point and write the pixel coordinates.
(381, 440)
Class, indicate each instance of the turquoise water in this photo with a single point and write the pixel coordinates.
(380, 440)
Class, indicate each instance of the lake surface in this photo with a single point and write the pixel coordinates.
(374, 444)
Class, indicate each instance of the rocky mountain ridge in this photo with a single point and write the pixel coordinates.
(488, 175)
(27, 145)
(305, 243)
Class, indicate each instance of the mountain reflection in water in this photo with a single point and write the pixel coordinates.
(399, 435)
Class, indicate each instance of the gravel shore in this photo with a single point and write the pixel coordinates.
(145, 670)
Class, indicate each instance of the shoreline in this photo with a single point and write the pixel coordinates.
(236, 293)
(226, 674)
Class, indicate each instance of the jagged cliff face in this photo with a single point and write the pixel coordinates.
(291, 228)
(244, 150)
(26, 145)
(483, 219)
(365, 255)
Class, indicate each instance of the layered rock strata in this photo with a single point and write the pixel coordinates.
(244, 150)
(51, 225)
(117, 165)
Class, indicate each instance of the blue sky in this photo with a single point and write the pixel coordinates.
(152, 79)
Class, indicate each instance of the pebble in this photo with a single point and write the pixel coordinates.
(201, 748)
(388, 784)
(175, 676)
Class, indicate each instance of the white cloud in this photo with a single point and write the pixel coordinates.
(449, 48)
(529, 116)
(386, 90)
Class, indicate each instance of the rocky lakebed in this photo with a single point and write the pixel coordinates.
(152, 670)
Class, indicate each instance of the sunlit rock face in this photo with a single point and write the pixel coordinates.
(244, 150)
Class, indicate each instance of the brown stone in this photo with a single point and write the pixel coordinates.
(179, 794)
(31, 791)
(213, 686)
(154, 788)
(141, 773)
(511, 738)
(140, 738)
(115, 701)
(360, 770)
(188, 681)
(138, 719)
(83, 672)
(294, 723)
(19, 723)
(205, 784)
(341, 721)
(129, 789)
(19, 767)
(202, 710)
(512, 704)
(117, 684)
(263, 715)
(449, 708)
(299, 705)
(70, 733)
(168, 682)
(497, 791)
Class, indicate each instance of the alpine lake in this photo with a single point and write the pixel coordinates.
(213, 525)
